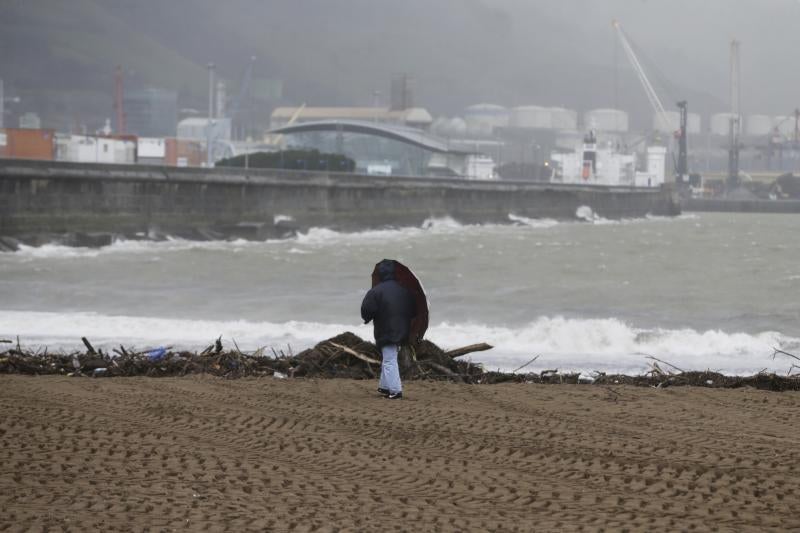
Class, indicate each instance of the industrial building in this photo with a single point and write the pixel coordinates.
(198, 128)
(387, 149)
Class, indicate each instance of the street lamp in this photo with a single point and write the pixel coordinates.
(210, 123)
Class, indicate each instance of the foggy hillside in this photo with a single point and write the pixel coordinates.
(460, 52)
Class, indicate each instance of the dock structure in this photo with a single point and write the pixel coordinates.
(56, 197)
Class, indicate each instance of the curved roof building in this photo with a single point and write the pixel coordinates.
(379, 148)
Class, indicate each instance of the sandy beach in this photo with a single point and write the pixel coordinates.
(207, 454)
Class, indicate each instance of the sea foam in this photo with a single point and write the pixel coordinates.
(608, 345)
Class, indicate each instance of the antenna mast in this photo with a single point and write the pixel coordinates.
(733, 151)
(119, 107)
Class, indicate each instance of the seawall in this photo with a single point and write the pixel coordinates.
(39, 197)
(740, 206)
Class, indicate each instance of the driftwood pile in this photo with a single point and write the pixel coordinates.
(343, 356)
(663, 374)
(349, 356)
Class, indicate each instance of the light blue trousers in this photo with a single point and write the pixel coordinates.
(390, 371)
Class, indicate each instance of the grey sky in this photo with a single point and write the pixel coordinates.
(338, 52)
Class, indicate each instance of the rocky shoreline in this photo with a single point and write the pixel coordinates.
(252, 231)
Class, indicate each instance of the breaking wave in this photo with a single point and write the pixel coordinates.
(608, 345)
(316, 236)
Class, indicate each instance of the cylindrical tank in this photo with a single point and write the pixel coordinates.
(693, 123)
(439, 126)
(673, 119)
(449, 127)
(457, 127)
(483, 119)
(612, 120)
(564, 119)
(785, 125)
(531, 117)
(721, 124)
(758, 125)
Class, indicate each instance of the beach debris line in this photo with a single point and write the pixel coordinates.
(349, 356)
(343, 356)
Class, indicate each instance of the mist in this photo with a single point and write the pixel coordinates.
(460, 52)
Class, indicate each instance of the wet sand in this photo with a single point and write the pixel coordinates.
(206, 454)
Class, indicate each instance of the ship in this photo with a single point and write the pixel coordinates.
(609, 164)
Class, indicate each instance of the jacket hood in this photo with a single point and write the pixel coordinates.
(386, 270)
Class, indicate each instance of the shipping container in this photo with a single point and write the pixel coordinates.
(184, 153)
(27, 144)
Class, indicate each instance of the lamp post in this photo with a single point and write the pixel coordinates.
(210, 124)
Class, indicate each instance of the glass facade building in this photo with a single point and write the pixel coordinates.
(378, 148)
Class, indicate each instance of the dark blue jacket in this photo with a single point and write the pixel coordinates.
(390, 306)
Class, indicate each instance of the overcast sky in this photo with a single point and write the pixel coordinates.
(461, 52)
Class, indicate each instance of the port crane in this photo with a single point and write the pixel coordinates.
(681, 165)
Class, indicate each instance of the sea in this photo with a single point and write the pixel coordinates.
(701, 291)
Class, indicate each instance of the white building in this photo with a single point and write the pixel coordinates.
(151, 150)
(480, 167)
(95, 149)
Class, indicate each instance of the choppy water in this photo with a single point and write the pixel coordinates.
(702, 291)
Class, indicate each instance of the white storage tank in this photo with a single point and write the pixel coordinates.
(758, 125)
(673, 119)
(785, 125)
(614, 120)
(483, 119)
(564, 119)
(532, 117)
(449, 127)
(693, 123)
(721, 124)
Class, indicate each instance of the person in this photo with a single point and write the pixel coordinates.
(390, 307)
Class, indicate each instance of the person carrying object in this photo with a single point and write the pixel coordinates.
(390, 307)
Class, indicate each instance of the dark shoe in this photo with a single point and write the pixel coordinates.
(383, 392)
(395, 396)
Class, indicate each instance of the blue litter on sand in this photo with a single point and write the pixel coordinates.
(157, 354)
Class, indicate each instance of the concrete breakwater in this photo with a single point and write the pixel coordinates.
(721, 205)
(87, 204)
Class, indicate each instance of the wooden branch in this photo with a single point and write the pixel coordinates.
(356, 354)
(458, 352)
(613, 394)
(88, 345)
(666, 363)
(777, 351)
(526, 364)
(444, 370)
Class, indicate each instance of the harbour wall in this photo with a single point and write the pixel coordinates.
(43, 197)
(719, 205)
